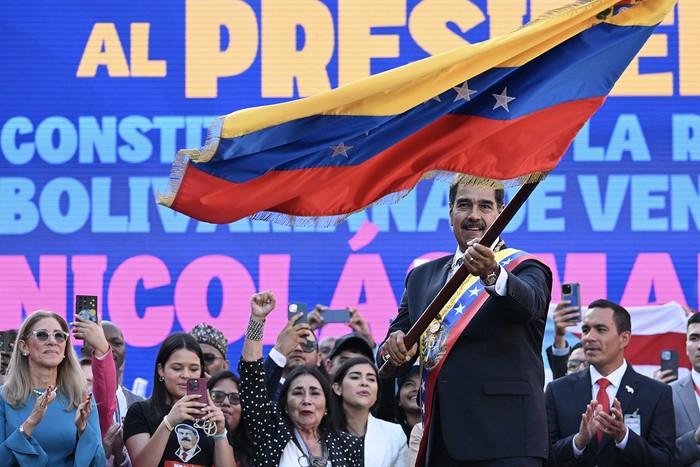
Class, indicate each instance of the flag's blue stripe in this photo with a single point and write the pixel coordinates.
(585, 66)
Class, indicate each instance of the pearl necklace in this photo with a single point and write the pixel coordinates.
(41, 393)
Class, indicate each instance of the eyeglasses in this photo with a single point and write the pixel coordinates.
(42, 335)
(574, 364)
(210, 358)
(218, 397)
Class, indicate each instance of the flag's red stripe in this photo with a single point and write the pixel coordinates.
(497, 149)
(645, 350)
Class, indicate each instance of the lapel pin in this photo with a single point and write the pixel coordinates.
(629, 389)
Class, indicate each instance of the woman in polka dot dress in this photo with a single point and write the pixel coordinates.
(299, 430)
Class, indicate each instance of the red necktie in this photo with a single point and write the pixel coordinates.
(603, 400)
(184, 456)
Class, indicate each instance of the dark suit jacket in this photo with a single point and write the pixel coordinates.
(557, 363)
(687, 414)
(273, 375)
(490, 386)
(567, 399)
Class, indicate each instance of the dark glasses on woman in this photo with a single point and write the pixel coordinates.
(218, 397)
(43, 335)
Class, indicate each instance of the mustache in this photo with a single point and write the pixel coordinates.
(473, 225)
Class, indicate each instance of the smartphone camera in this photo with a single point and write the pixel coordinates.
(193, 385)
(566, 289)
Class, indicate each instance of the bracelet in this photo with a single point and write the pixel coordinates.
(255, 330)
(221, 436)
(167, 423)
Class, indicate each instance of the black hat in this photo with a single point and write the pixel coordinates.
(355, 342)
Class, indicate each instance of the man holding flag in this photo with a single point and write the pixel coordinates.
(503, 110)
(482, 366)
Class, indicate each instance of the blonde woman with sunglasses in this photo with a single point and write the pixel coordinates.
(47, 416)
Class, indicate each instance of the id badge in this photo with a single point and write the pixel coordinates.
(634, 422)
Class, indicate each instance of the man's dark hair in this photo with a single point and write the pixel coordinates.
(499, 194)
(577, 345)
(693, 319)
(621, 316)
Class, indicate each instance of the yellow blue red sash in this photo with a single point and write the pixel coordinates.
(436, 342)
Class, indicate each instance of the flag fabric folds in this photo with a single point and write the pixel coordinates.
(504, 110)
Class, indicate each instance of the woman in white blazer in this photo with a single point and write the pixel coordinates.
(356, 388)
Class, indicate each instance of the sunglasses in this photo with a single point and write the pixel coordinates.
(308, 346)
(42, 335)
(218, 397)
(210, 358)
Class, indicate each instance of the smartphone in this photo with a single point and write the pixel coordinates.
(86, 307)
(669, 361)
(292, 310)
(7, 340)
(198, 386)
(572, 292)
(295, 308)
(335, 316)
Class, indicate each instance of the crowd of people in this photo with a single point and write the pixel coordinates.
(471, 392)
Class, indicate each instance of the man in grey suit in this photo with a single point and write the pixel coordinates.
(686, 392)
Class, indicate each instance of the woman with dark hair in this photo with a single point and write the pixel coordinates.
(300, 429)
(224, 392)
(163, 430)
(408, 412)
(47, 416)
(356, 389)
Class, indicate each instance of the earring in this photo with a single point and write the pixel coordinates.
(161, 379)
(24, 354)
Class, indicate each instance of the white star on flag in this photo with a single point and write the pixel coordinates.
(459, 308)
(506, 262)
(474, 291)
(463, 92)
(502, 100)
(340, 150)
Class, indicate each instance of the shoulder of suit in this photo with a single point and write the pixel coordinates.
(681, 383)
(569, 381)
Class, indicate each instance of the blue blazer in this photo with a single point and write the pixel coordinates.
(489, 390)
(567, 399)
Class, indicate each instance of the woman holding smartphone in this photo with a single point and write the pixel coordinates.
(172, 426)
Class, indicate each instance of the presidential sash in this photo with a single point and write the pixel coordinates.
(437, 340)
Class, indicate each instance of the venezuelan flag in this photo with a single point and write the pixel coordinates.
(505, 109)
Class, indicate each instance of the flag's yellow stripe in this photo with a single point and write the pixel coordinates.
(398, 90)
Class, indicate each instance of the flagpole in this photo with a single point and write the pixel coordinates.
(387, 370)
